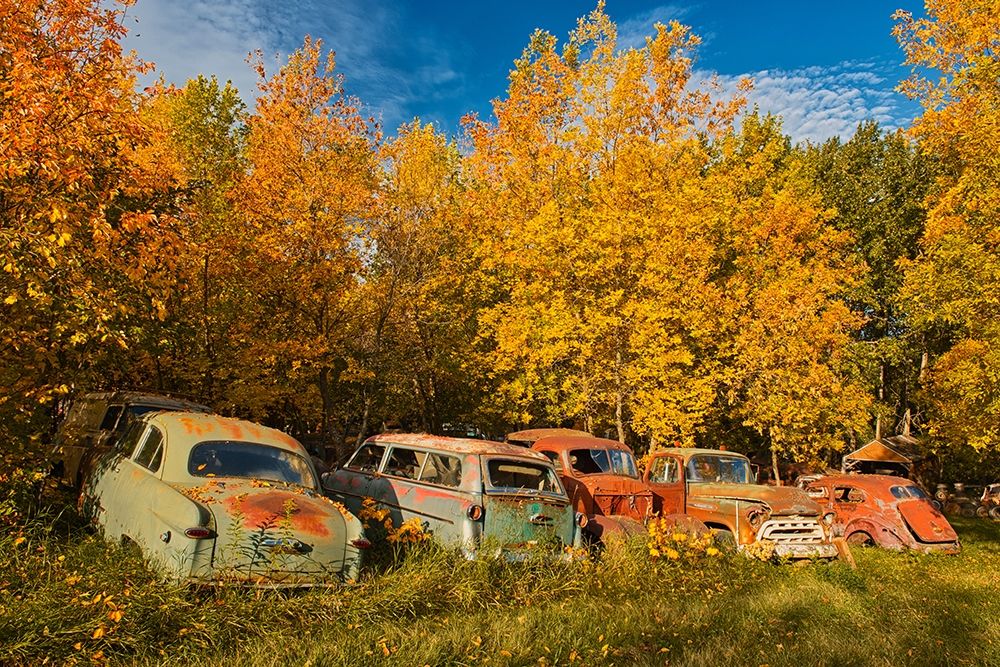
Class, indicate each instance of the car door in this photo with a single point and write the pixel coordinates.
(353, 483)
(106, 494)
(663, 475)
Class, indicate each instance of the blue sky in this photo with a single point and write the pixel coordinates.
(822, 66)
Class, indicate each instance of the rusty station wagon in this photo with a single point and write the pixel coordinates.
(208, 498)
(470, 494)
(883, 510)
(719, 488)
(95, 421)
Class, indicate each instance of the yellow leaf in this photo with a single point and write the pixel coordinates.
(19, 541)
(98, 633)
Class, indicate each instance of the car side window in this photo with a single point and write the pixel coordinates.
(442, 469)
(556, 461)
(151, 454)
(817, 492)
(111, 417)
(126, 445)
(664, 470)
(847, 494)
(367, 458)
(404, 462)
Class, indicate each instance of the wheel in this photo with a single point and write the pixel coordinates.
(724, 539)
(860, 539)
(982, 511)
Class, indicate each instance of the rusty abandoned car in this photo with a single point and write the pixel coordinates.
(718, 488)
(469, 494)
(883, 510)
(96, 420)
(209, 499)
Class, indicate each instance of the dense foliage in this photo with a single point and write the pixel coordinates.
(619, 246)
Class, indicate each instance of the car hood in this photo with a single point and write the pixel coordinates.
(783, 500)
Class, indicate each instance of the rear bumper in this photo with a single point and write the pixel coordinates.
(947, 548)
(796, 551)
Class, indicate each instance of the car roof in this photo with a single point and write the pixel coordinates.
(190, 428)
(456, 445)
(566, 442)
(871, 483)
(534, 434)
(688, 452)
(156, 400)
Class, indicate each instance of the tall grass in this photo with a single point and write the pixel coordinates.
(67, 597)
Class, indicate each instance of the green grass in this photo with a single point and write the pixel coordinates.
(434, 608)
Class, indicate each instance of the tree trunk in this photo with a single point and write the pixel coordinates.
(619, 397)
(774, 466)
(365, 413)
(323, 382)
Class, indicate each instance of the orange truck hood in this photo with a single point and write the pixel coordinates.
(783, 500)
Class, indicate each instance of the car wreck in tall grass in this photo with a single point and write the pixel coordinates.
(474, 495)
(883, 510)
(210, 499)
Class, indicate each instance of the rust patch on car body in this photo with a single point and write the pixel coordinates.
(304, 514)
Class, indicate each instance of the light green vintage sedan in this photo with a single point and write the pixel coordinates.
(212, 499)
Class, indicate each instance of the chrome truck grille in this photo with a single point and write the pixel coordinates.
(791, 531)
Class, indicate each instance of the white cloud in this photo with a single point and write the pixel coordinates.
(633, 31)
(386, 63)
(817, 103)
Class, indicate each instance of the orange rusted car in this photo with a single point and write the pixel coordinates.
(882, 510)
(602, 480)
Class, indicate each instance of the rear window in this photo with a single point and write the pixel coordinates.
(522, 476)
(229, 458)
(907, 492)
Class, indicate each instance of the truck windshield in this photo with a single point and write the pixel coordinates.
(718, 468)
(227, 458)
(594, 461)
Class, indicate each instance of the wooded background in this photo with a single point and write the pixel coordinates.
(619, 247)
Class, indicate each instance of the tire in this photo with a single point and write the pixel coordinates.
(860, 539)
(982, 511)
(724, 540)
(995, 513)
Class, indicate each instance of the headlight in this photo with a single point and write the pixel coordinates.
(582, 520)
(756, 516)
(828, 518)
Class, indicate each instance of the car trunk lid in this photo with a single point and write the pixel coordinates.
(927, 523)
(269, 533)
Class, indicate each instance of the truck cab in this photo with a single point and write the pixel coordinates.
(719, 488)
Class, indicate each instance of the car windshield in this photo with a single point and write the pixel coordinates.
(228, 458)
(718, 468)
(510, 475)
(594, 461)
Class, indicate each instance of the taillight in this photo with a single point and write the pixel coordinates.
(475, 512)
(361, 543)
(582, 520)
(199, 533)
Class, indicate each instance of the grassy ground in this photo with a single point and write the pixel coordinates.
(65, 597)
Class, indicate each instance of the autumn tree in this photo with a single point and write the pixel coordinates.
(787, 330)
(954, 284)
(420, 314)
(192, 161)
(876, 182)
(586, 186)
(70, 236)
(309, 185)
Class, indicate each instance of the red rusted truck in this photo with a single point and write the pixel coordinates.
(603, 482)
